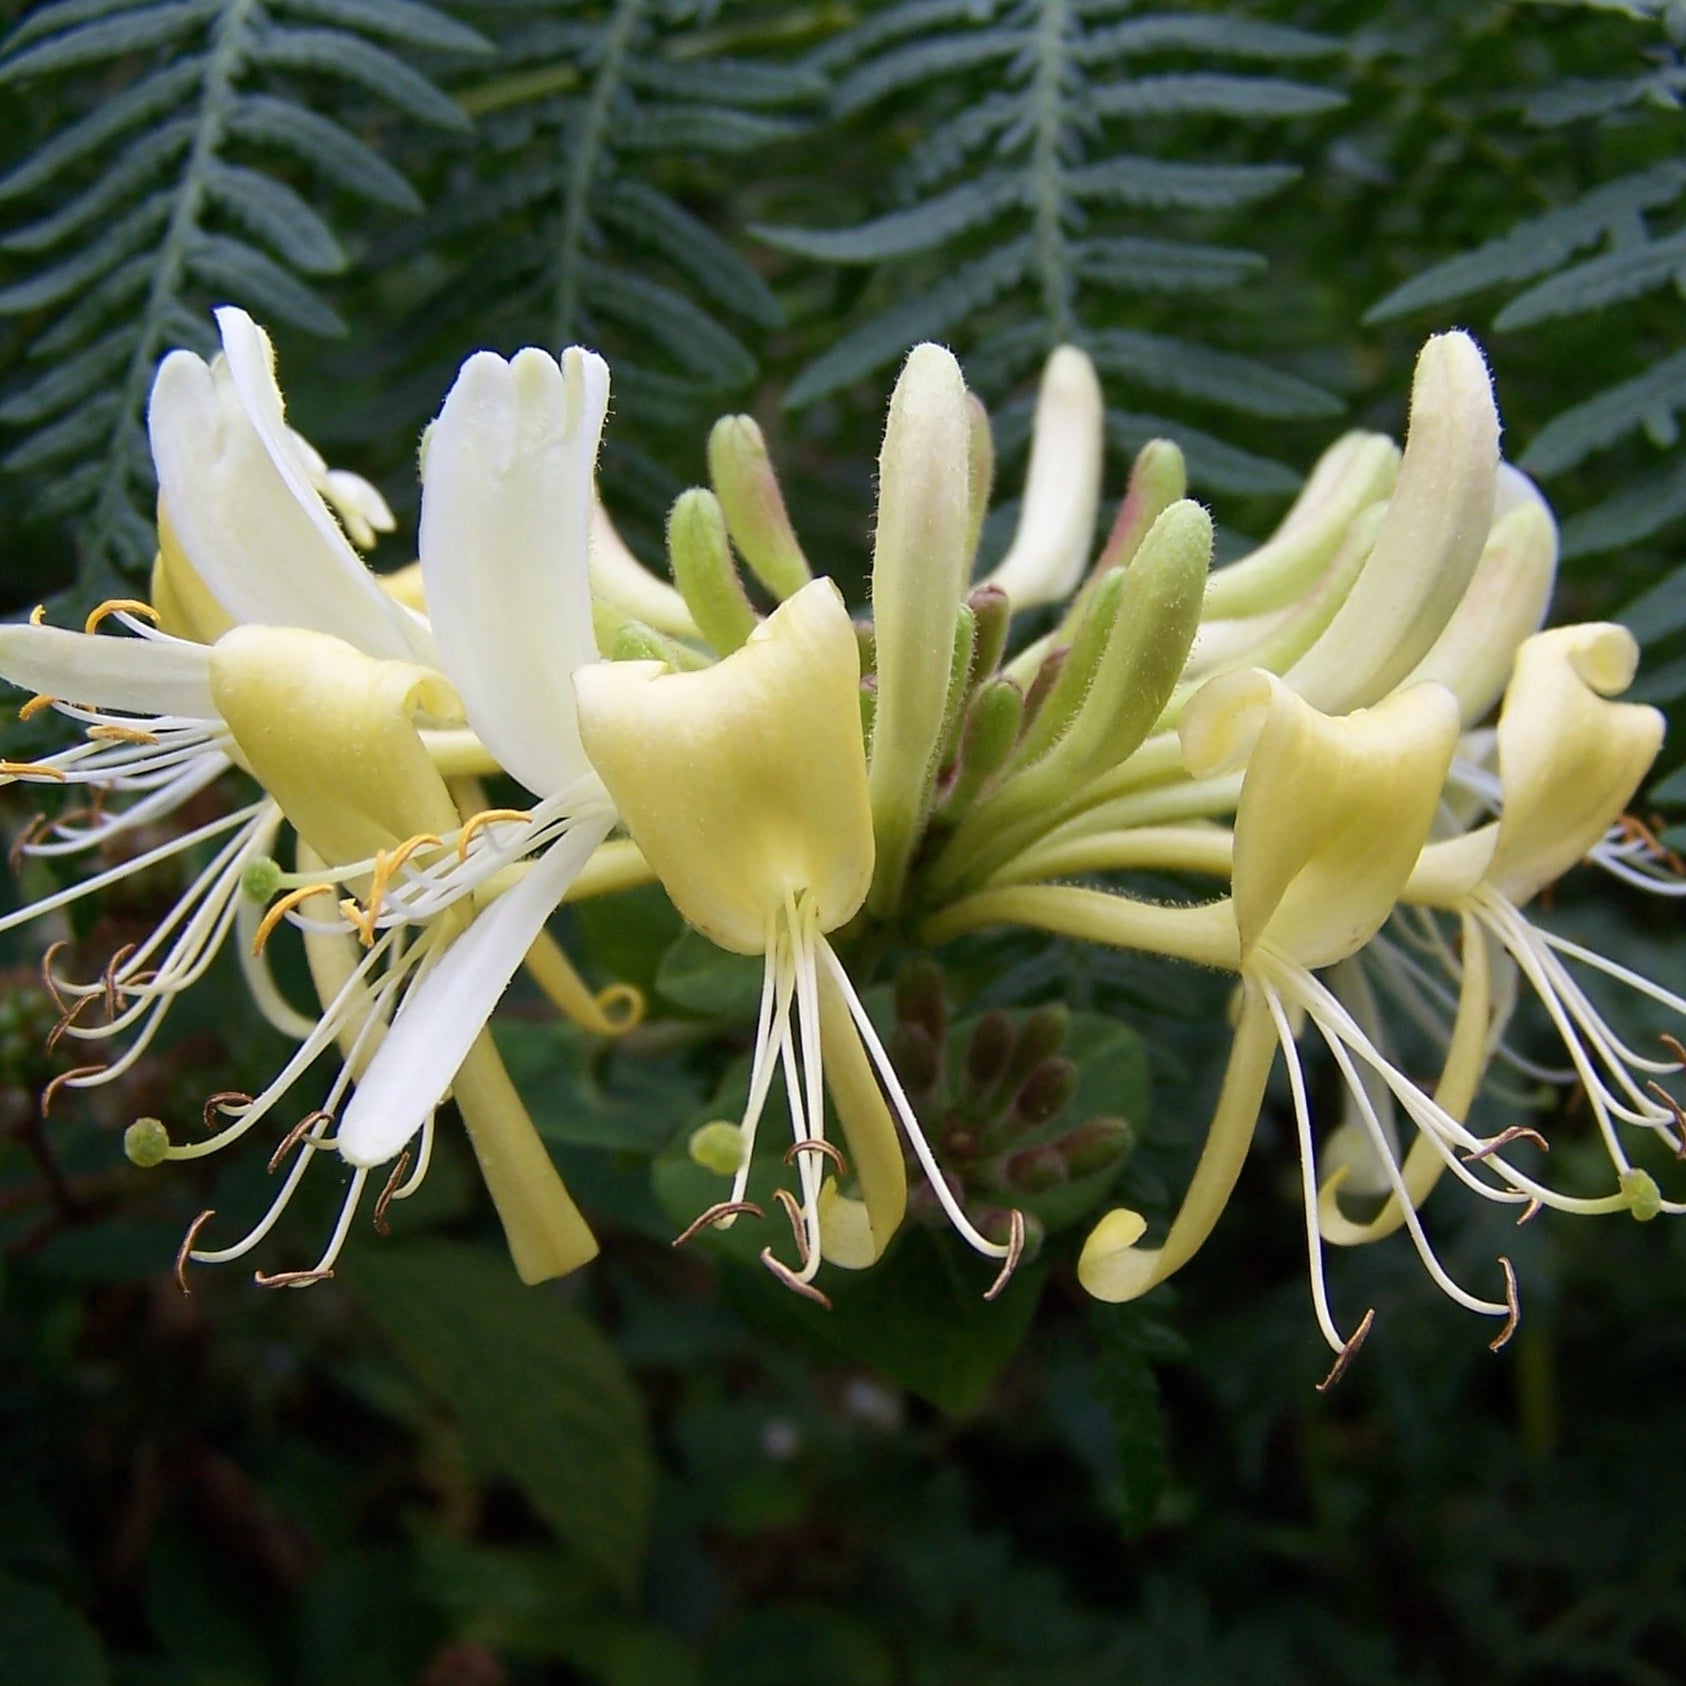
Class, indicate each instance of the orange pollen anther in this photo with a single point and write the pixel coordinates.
(279, 911)
(490, 816)
(118, 606)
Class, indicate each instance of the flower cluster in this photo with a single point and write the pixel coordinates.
(1304, 728)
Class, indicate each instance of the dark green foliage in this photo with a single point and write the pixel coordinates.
(173, 189)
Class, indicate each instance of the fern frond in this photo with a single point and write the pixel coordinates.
(1551, 265)
(1024, 221)
(593, 187)
(174, 191)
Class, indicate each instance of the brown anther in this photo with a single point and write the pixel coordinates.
(721, 1209)
(185, 1251)
(1015, 1251)
(1575, 1099)
(109, 979)
(108, 733)
(798, 1228)
(291, 1278)
(119, 606)
(1348, 1352)
(792, 1281)
(296, 1135)
(399, 1171)
(1516, 1133)
(1531, 1210)
(1674, 1046)
(1636, 830)
(35, 704)
(1676, 1111)
(29, 770)
(819, 1145)
(49, 982)
(66, 1020)
(1511, 1300)
(277, 911)
(472, 825)
(30, 834)
(227, 1102)
(50, 1093)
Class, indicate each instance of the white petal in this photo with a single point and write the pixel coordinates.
(505, 534)
(440, 1018)
(147, 676)
(241, 503)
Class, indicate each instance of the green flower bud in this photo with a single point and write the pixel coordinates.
(1097, 1145)
(988, 1052)
(703, 568)
(1045, 1094)
(1035, 1170)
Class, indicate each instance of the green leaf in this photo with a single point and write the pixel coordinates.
(1129, 1389)
(325, 145)
(1648, 401)
(253, 278)
(129, 32)
(1210, 95)
(538, 1393)
(701, 978)
(918, 1316)
(1172, 365)
(916, 229)
(333, 52)
(1158, 184)
(276, 214)
(1626, 273)
(44, 1641)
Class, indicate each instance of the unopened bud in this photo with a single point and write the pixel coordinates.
(1040, 1037)
(992, 728)
(1158, 478)
(1035, 1170)
(992, 614)
(700, 555)
(748, 490)
(1097, 1145)
(717, 1146)
(921, 995)
(916, 1057)
(988, 1052)
(261, 879)
(146, 1143)
(636, 642)
(1045, 1093)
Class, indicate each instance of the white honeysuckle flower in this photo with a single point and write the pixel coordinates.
(331, 734)
(745, 786)
(241, 498)
(505, 544)
(1062, 485)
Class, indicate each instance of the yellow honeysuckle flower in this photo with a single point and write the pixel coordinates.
(745, 785)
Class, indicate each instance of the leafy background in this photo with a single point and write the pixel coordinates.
(660, 1472)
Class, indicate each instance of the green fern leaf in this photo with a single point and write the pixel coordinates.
(1197, 371)
(93, 43)
(1155, 184)
(398, 20)
(276, 214)
(1624, 274)
(50, 286)
(1209, 94)
(334, 52)
(895, 22)
(1634, 513)
(67, 382)
(929, 315)
(83, 139)
(712, 355)
(909, 66)
(1228, 37)
(703, 128)
(241, 271)
(328, 147)
(1538, 245)
(917, 229)
(1649, 401)
(139, 164)
(1213, 464)
(1135, 263)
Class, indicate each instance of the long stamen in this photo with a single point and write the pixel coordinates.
(904, 1110)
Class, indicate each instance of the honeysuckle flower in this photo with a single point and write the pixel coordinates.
(332, 734)
(745, 785)
(505, 539)
(1569, 761)
(1332, 816)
